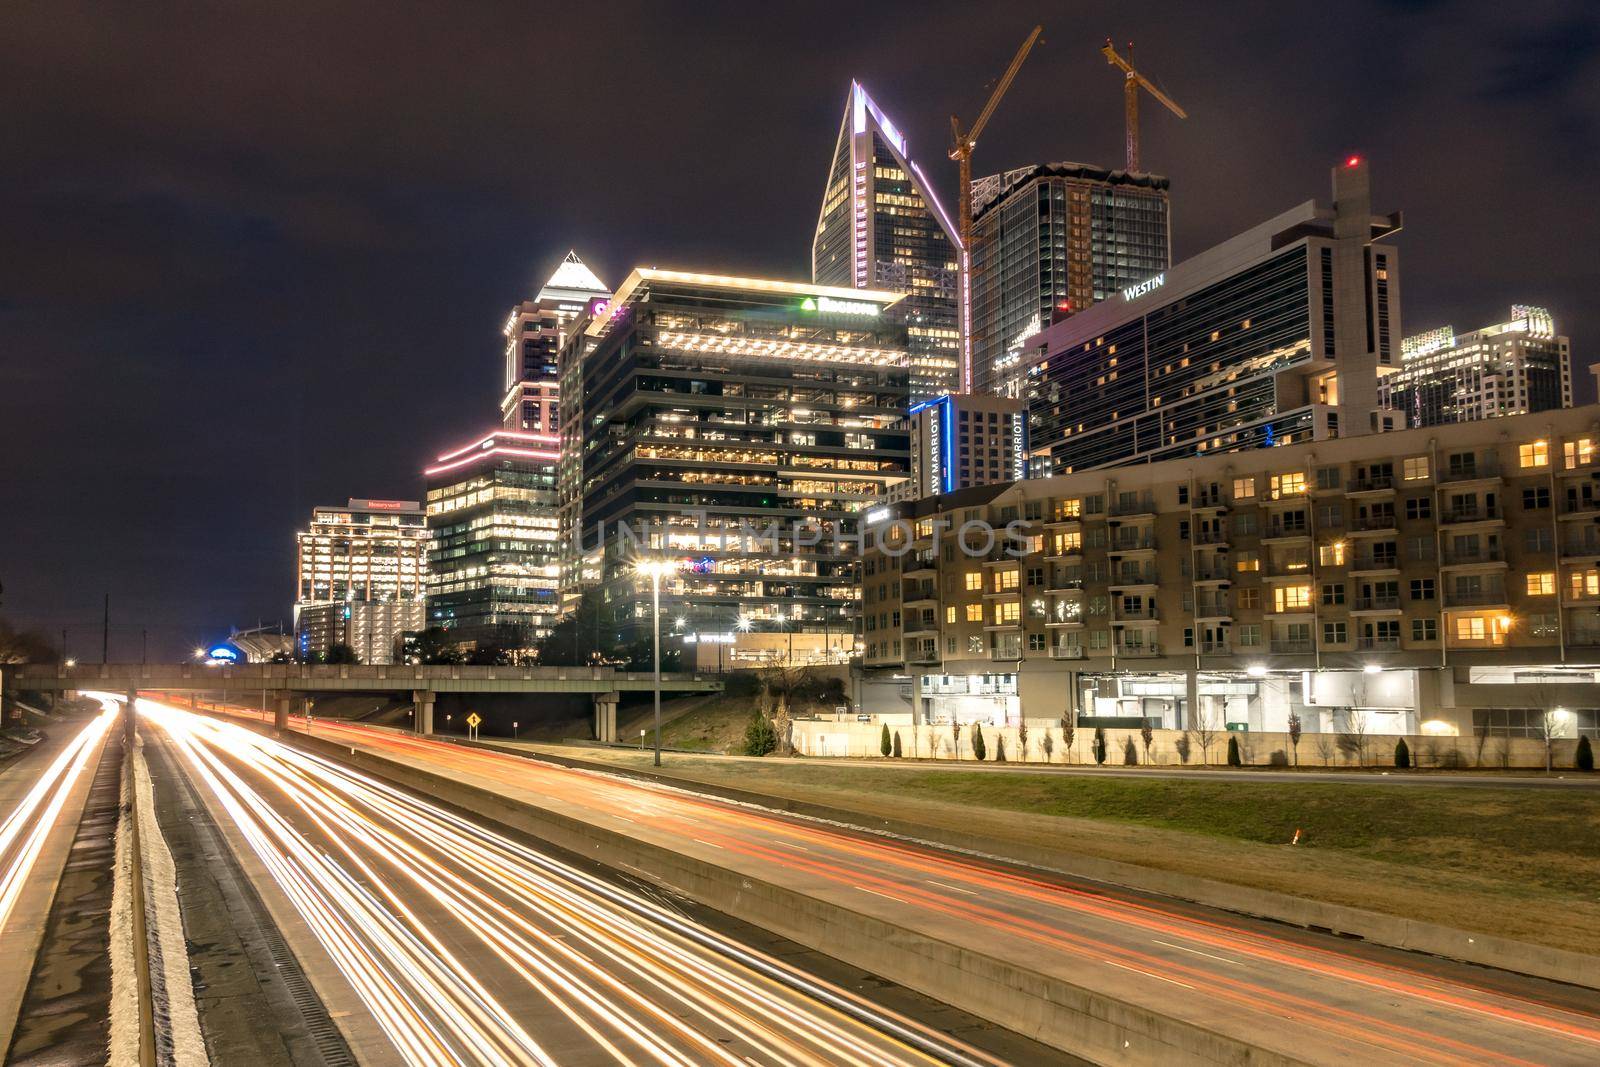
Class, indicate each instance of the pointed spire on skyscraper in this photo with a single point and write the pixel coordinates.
(572, 280)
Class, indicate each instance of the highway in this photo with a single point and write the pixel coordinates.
(466, 946)
(1308, 996)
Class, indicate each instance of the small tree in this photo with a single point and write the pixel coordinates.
(955, 738)
(1183, 747)
(999, 748)
(885, 743)
(1069, 733)
(759, 736)
(896, 749)
(1146, 735)
(1022, 739)
(1583, 759)
(1402, 755)
(1205, 732)
(1130, 754)
(1048, 743)
(1354, 737)
(980, 750)
(1233, 752)
(1099, 745)
(1548, 726)
(1294, 735)
(340, 653)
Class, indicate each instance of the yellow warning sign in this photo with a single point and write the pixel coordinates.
(474, 719)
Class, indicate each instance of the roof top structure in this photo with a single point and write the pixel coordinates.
(572, 280)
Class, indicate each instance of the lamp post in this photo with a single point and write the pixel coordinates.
(655, 568)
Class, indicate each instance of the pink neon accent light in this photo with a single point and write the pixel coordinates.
(489, 440)
(527, 453)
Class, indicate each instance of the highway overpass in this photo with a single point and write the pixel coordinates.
(286, 682)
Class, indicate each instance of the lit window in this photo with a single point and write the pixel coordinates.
(1292, 597)
(1471, 628)
(1331, 555)
(1005, 579)
(974, 581)
(1249, 561)
(1542, 584)
(1244, 488)
(1288, 484)
(1586, 582)
(1580, 452)
(1535, 454)
(1007, 612)
(1070, 509)
(950, 614)
(974, 612)
(1416, 468)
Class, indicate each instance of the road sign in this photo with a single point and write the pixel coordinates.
(474, 719)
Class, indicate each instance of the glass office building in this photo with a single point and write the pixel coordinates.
(882, 227)
(1511, 368)
(1279, 335)
(534, 332)
(714, 410)
(361, 573)
(494, 542)
(1051, 240)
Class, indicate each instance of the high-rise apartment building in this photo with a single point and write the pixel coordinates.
(1275, 336)
(736, 426)
(1440, 580)
(534, 333)
(964, 439)
(1510, 368)
(882, 227)
(362, 575)
(1051, 240)
(494, 543)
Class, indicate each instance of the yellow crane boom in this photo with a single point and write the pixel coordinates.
(962, 144)
(1132, 82)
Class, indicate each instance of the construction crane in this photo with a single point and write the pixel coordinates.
(1132, 81)
(962, 144)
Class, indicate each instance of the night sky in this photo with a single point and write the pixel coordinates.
(255, 257)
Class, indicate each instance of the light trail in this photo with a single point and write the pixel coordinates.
(640, 983)
(28, 825)
(1365, 1006)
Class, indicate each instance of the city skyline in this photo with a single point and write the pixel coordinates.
(257, 297)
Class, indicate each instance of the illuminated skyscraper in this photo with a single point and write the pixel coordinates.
(1510, 368)
(1050, 241)
(534, 332)
(882, 227)
(361, 573)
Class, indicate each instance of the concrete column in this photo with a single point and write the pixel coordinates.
(130, 718)
(422, 701)
(605, 717)
(280, 711)
(1191, 700)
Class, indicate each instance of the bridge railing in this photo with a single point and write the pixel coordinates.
(265, 674)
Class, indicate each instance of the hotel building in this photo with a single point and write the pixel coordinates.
(1439, 580)
(494, 543)
(1279, 335)
(362, 573)
(964, 439)
(1051, 240)
(705, 408)
(881, 227)
(1510, 368)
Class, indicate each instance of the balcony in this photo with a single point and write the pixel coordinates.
(1062, 553)
(1584, 638)
(1215, 648)
(1145, 543)
(1378, 644)
(1467, 557)
(1470, 473)
(1211, 537)
(1284, 646)
(1279, 569)
(1135, 576)
(1213, 609)
(1009, 653)
(923, 656)
(922, 626)
(1580, 505)
(1377, 603)
(1144, 504)
(1064, 585)
(919, 563)
(1213, 574)
(921, 595)
(1581, 548)
(1144, 614)
(1475, 598)
(1066, 652)
(1374, 564)
(1208, 501)
(1476, 513)
(1138, 651)
(1373, 483)
(1379, 523)
(1285, 531)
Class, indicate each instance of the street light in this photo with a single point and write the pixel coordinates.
(655, 568)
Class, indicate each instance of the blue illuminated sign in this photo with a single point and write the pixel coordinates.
(223, 654)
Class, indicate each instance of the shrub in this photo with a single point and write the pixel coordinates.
(896, 749)
(980, 750)
(1233, 752)
(885, 744)
(1099, 745)
(1130, 754)
(1402, 754)
(759, 736)
(1000, 749)
(1048, 743)
(1583, 759)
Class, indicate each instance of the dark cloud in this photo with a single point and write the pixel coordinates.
(256, 255)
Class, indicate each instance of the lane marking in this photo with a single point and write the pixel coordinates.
(708, 844)
(1197, 952)
(885, 896)
(952, 888)
(1148, 974)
